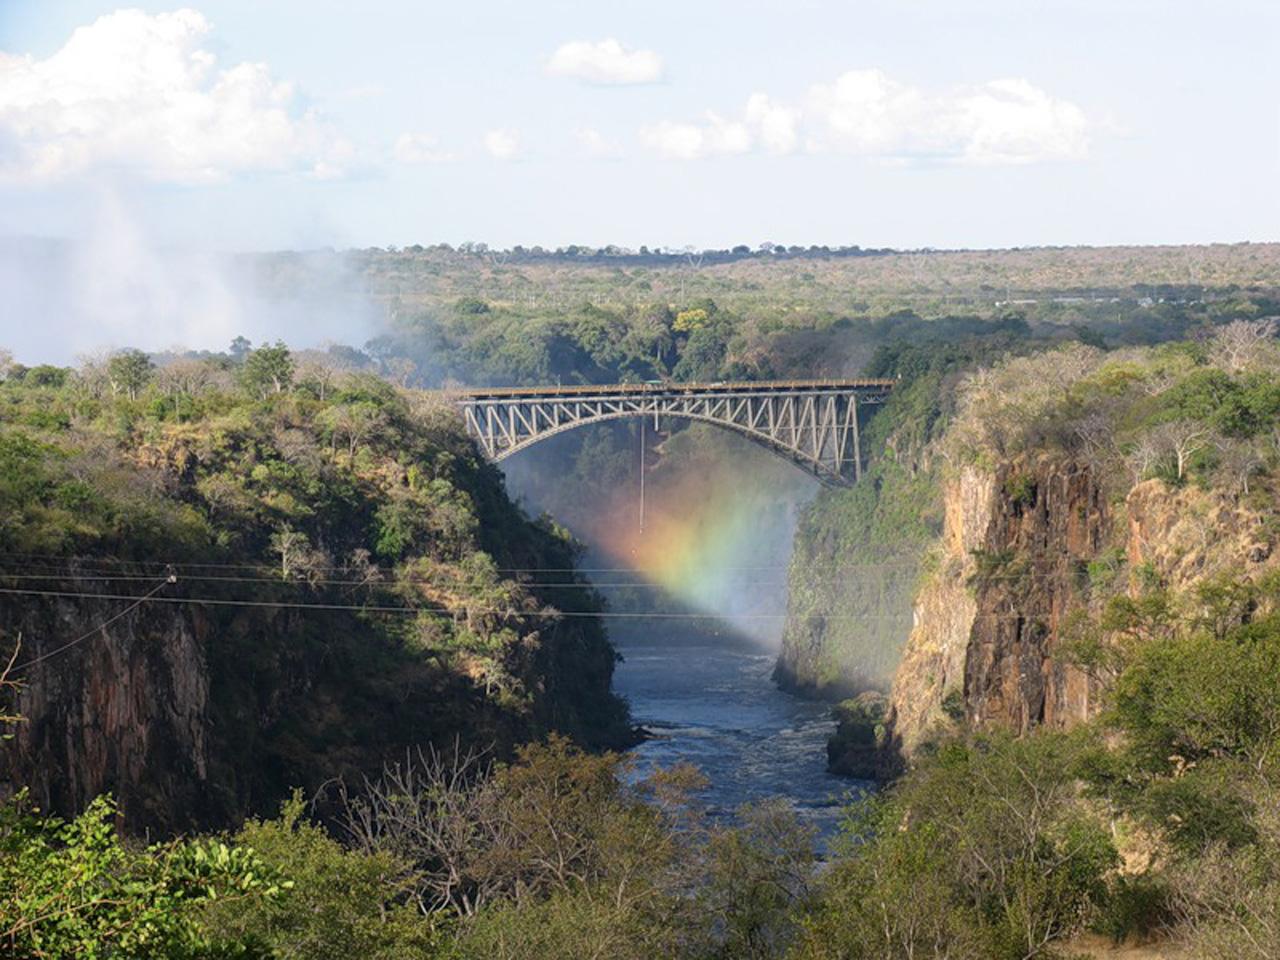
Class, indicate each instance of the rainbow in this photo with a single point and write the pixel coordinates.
(712, 544)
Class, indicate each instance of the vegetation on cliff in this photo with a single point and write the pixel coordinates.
(1108, 569)
(350, 579)
(1074, 442)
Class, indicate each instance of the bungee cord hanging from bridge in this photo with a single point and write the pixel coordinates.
(813, 423)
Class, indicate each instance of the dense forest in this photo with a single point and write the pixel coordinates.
(377, 731)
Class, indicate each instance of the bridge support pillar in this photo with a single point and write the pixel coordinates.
(857, 441)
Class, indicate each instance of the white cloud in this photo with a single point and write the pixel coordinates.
(605, 62)
(140, 92)
(692, 141)
(1001, 121)
(775, 124)
(867, 113)
(418, 148)
(1011, 121)
(595, 144)
(502, 144)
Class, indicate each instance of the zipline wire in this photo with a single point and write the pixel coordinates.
(196, 565)
(73, 565)
(139, 601)
(549, 614)
(553, 585)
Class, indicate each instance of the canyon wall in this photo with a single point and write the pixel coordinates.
(195, 715)
(985, 644)
(121, 708)
(854, 574)
(334, 605)
(1025, 545)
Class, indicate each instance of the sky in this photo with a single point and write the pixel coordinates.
(266, 124)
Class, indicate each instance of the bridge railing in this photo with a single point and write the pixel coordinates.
(616, 389)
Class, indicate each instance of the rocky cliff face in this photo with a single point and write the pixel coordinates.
(125, 709)
(845, 629)
(194, 716)
(933, 661)
(987, 624)
(1187, 534)
(1020, 545)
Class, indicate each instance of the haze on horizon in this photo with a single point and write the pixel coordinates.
(154, 135)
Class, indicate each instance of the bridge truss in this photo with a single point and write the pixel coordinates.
(814, 423)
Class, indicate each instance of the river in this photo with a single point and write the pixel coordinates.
(710, 700)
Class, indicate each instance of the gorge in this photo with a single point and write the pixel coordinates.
(229, 576)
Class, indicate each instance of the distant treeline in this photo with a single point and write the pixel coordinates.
(644, 256)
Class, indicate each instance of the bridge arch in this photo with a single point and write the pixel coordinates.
(755, 436)
(812, 423)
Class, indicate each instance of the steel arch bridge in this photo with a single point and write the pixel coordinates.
(813, 423)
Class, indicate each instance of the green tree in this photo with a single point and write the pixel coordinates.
(341, 904)
(45, 375)
(1199, 696)
(982, 851)
(689, 320)
(268, 370)
(703, 355)
(129, 371)
(73, 890)
(890, 901)
(571, 926)
(760, 873)
(352, 423)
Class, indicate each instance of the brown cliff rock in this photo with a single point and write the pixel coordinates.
(987, 621)
(123, 710)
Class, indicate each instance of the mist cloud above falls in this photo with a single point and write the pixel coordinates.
(135, 99)
(115, 286)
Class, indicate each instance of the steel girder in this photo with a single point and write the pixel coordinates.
(812, 423)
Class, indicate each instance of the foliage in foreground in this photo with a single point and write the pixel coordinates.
(74, 890)
(991, 847)
(984, 851)
(342, 903)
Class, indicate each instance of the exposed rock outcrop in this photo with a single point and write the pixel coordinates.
(988, 622)
(121, 708)
(1186, 534)
(857, 749)
(194, 716)
(1014, 563)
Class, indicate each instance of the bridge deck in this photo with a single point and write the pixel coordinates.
(620, 389)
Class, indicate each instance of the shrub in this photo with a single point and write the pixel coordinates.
(340, 904)
(984, 847)
(1020, 489)
(73, 890)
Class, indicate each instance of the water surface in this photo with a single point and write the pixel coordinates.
(709, 700)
